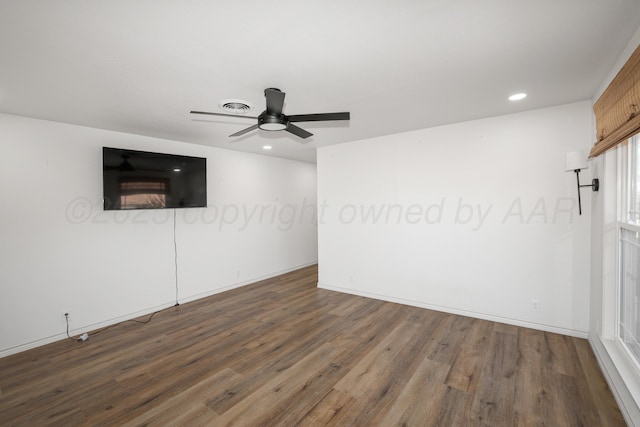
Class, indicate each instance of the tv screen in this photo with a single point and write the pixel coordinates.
(142, 180)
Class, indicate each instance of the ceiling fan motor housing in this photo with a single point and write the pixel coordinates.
(272, 122)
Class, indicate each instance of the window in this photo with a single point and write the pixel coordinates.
(629, 312)
(629, 250)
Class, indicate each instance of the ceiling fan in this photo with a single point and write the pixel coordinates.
(274, 119)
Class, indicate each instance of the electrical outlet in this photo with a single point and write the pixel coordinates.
(66, 316)
(535, 305)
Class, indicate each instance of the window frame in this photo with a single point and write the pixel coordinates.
(619, 292)
(627, 151)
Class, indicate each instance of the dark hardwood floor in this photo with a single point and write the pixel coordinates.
(282, 352)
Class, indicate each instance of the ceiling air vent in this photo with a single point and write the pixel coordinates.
(235, 106)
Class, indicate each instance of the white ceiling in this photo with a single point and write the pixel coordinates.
(140, 66)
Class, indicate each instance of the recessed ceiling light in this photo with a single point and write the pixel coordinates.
(517, 96)
(266, 147)
(176, 169)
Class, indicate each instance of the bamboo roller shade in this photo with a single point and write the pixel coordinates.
(618, 108)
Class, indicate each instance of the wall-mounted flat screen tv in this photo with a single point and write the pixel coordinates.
(142, 180)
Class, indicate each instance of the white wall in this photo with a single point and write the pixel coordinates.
(488, 218)
(60, 252)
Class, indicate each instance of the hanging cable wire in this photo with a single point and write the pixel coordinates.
(175, 254)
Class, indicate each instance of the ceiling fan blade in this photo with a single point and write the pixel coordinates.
(319, 117)
(224, 115)
(275, 101)
(247, 130)
(297, 131)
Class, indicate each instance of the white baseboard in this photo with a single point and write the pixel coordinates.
(78, 331)
(95, 326)
(452, 310)
(616, 373)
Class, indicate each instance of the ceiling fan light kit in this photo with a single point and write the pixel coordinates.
(272, 118)
(270, 123)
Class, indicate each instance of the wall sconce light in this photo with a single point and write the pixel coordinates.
(576, 160)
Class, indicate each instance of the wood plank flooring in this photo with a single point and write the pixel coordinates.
(282, 352)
